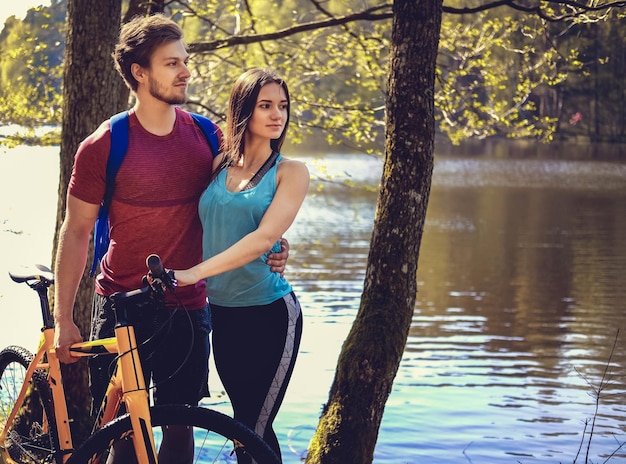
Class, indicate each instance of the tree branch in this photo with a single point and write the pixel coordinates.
(383, 12)
(578, 8)
(372, 14)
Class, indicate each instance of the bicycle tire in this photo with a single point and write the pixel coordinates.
(212, 434)
(30, 440)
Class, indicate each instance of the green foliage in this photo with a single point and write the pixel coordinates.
(594, 101)
(522, 76)
(500, 72)
(336, 75)
(31, 55)
(492, 72)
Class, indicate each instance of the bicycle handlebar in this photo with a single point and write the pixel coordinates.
(155, 265)
(157, 271)
(40, 278)
(158, 280)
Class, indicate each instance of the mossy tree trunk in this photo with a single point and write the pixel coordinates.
(89, 97)
(371, 354)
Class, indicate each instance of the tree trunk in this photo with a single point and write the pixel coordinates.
(88, 99)
(371, 354)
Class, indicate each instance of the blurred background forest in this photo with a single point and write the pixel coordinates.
(501, 73)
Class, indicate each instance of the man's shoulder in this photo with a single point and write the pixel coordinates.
(99, 139)
(207, 129)
(189, 117)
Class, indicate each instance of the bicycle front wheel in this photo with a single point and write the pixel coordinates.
(29, 439)
(217, 438)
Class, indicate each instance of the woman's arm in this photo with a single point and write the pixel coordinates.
(292, 186)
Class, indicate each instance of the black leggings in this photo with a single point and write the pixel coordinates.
(255, 349)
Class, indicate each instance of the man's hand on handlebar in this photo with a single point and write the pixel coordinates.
(65, 335)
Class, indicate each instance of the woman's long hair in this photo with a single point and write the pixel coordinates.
(241, 105)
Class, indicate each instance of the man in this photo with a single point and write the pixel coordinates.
(153, 210)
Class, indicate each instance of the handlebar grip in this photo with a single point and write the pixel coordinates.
(159, 273)
(155, 265)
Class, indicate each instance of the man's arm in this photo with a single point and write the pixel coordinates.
(69, 267)
(278, 261)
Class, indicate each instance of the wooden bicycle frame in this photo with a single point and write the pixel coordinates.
(127, 385)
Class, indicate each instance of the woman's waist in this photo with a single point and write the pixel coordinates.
(239, 288)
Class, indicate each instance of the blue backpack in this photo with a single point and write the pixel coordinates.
(119, 145)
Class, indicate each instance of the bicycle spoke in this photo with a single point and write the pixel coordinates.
(27, 440)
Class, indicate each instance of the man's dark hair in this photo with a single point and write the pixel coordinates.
(138, 39)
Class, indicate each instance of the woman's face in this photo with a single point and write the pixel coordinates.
(270, 113)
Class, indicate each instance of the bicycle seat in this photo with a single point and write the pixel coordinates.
(29, 273)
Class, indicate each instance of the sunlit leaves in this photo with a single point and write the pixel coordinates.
(500, 73)
(31, 71)
(336, 75)
(492, 71)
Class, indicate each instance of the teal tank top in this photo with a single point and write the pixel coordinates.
(226, 218)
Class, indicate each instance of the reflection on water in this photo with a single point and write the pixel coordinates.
(521, 292)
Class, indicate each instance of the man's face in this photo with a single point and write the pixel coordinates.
(168, 73)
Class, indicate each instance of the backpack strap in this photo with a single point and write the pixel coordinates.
(119, 145)
(210, 131)
(267, 165)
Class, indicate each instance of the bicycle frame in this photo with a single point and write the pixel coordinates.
(32, 436)
(127, 385)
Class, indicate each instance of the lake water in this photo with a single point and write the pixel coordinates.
(521, 294)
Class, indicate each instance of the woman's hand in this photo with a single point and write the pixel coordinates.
(186, 277)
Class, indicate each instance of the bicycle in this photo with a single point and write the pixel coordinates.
(34, 422)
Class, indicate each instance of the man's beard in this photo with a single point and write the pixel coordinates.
(156, 90)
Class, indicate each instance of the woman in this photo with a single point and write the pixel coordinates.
(253, 198)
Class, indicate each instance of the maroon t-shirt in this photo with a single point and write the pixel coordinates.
(155, 202)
